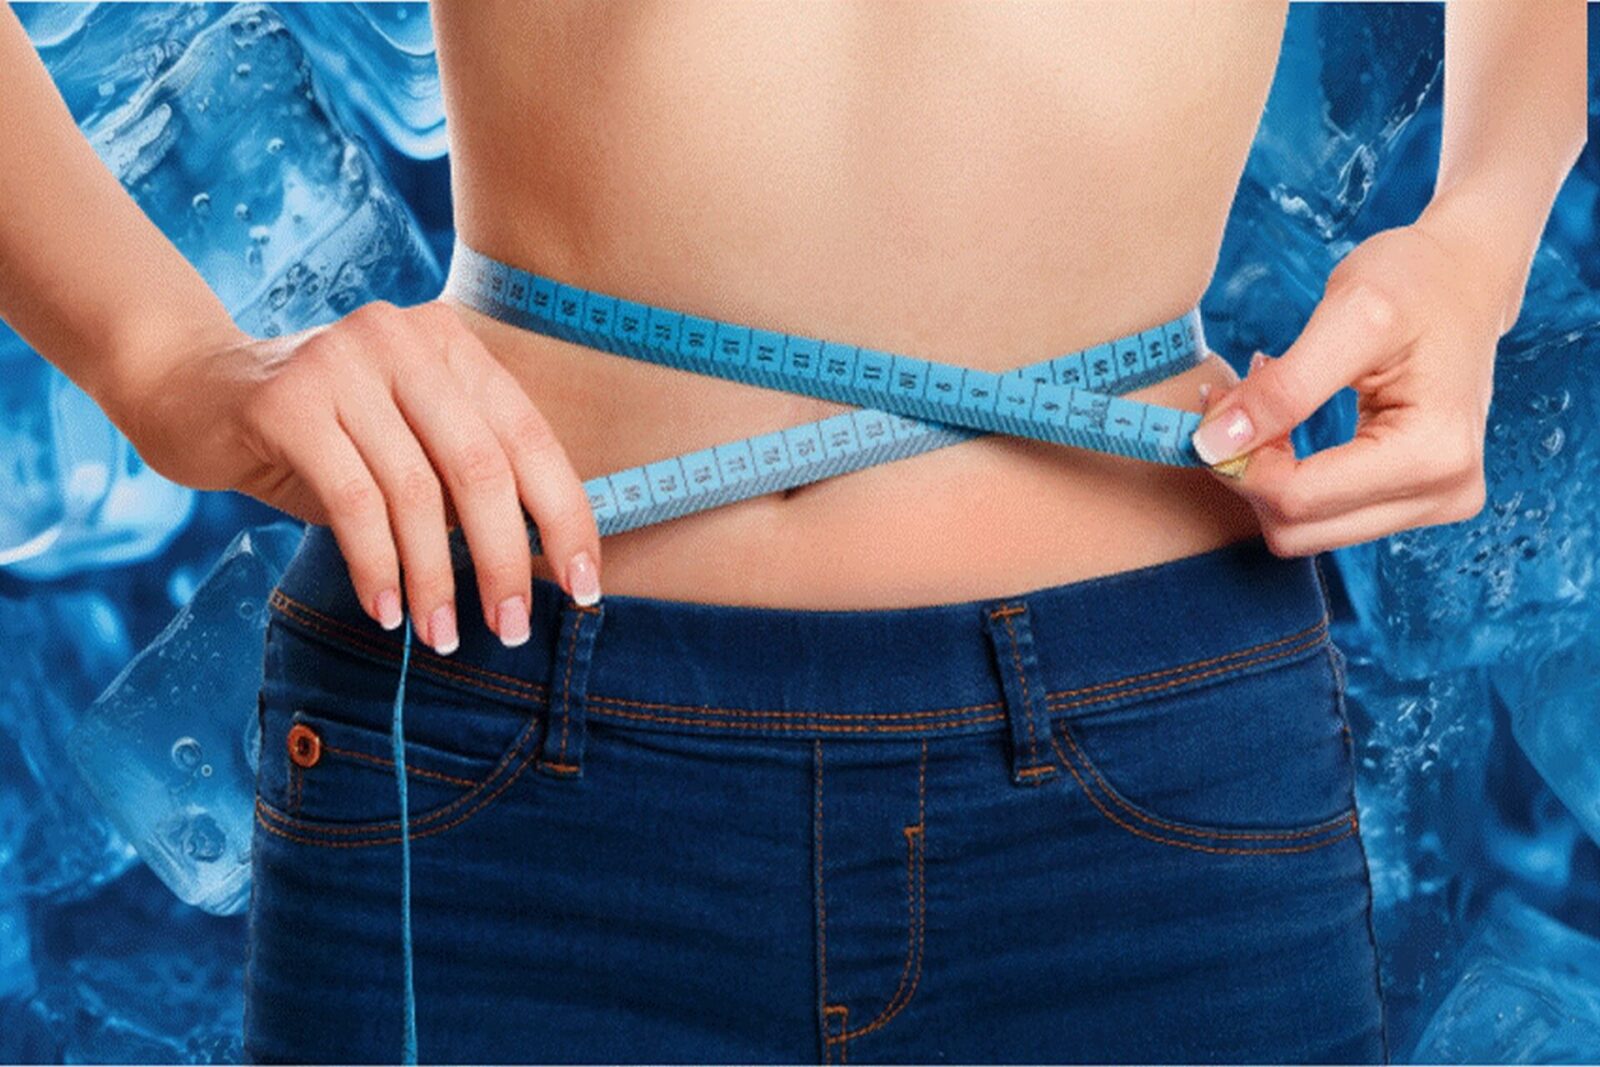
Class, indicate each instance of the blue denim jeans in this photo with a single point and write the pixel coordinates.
(1107, 821)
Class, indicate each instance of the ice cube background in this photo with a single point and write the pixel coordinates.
(296, 155)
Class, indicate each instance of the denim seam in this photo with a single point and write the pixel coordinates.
(316, 621)
(421, 771)
(263, 810)
(1194, 831)
(421, 659)
(510, 755)
(1035, 766)
(560, 763)
(821, 905)
(1172, 683)
(916, 909)
(1137, 832)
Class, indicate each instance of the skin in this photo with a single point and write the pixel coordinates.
(982, 184)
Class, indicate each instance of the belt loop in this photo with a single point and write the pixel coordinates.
(561, 750)
(1011, 638)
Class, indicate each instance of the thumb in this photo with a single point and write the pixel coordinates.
(1353, 329)
(1269, 452)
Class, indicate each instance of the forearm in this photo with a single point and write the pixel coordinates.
(85, 277)
(1515, 119)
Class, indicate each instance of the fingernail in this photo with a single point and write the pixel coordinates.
(442, 629)
(389, 609)
(1222, 436)
(512, 621)
(583, 580)
(1205, 391)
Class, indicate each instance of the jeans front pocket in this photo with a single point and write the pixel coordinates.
(1254, 760)
(327, 773)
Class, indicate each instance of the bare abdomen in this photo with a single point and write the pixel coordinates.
(987, 185)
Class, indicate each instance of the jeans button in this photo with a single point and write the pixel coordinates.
(305, 744)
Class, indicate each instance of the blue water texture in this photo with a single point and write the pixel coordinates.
(296, 155)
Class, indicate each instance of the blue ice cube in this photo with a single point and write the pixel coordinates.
(1528, 992)
(1521, 574)
(1553, 695)
(74, 493)
(162, 748)
(98, 55)
(53, 837)
(235, 154)
(383, 55)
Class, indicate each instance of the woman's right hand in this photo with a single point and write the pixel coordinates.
(391, 425)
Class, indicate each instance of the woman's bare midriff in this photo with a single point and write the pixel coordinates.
(984, 185)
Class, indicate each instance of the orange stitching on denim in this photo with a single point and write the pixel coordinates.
(566, 684)
(933, 713)
(1318, 625)
(822, 896)
(1007, 609)
(553, 765)
(1027, 708)
(916, 908)
(1042, 768)
(1187, 678)
(841, 1038)
(505, 761)
(1127, 806)
(534, 691)
(825, 728)
(262, 810)
(1190, 844)
(421, 658)
(390, 763)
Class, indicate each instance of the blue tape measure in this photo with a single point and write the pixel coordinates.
(907, 405)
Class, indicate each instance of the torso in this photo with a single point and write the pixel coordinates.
(985, 185)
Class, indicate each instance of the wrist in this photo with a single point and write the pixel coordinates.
(1492, 230)
(146, 350)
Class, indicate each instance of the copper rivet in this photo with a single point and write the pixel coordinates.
(305, 745)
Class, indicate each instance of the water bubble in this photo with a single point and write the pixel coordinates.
(241, 211)
(260, 234)
(242, 70)
(201, 204)
(203, 839)
(186, 753)
(106, 89)
(275, 145)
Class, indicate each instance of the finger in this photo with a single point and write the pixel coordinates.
(1354, 329)
(1392, 455)
(546, 480)
(1368, 523)
(476, 471)
(1234, 471)
(325, 457)
(416, 505)
(1388, 459)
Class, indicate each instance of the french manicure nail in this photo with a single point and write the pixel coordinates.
(511, 619)
(388, 605)
(1223, 436)
(442, 630)
(583, 580)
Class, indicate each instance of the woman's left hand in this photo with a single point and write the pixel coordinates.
(1407, 320)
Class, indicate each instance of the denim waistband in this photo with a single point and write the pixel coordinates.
(892, 672)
